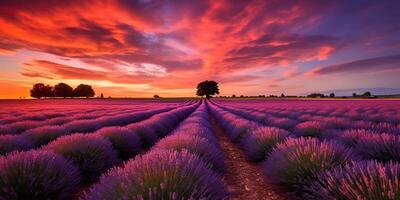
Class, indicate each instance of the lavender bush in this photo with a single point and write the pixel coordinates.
(198, 130)
(123, 140)
(82, 126)
(381, 147)
(296, 161)
(284, 123)
(160, 175)
(158, 128)
(312, 129)
(37, 175)
(9, 143)
(18, 127)
(261, 141)
(146, 133)
(239, 128)
(351, 137)
(45, 134)
(207, 152)
(93, 154)
(357, 180)
(384, 127)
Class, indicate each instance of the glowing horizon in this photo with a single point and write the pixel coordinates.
(141, 48)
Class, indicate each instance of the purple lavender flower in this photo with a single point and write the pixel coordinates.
(9, 143)
(381, 147)
(18, 127)
(37, 175)
(239, 128)
(146, 133)
(351, 137)
(384, 127)
(82, 126)
(124, 141)
(284, 123)
(160, 175)
(357, 180)
(207, 152)
(93, 154)
(260, 142)
(296, 161)
(45, 134)
(312, 129)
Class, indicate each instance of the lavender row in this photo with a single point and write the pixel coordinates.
(184, 165)
(369, 144)
(7, 118)
(25, 125)
(354, 109)
(40, 113)
(75, 114)
(325, 169)
(196, 135)
(59, 168)
(311, 124)
(376, 112)
(40, 136)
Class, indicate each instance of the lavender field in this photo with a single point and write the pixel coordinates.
(185, 149)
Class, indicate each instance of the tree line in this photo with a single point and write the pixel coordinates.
(40, 90)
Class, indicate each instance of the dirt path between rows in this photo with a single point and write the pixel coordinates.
(243, 180)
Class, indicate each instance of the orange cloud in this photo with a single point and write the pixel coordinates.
(166, 45)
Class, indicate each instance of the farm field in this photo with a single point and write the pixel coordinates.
(100, 149)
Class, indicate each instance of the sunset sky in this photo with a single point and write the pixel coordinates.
(145, 47)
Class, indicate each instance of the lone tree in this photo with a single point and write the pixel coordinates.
(332, 95)
(84, 91)
(207, 88)
(367, 94)
(40, 90)
(63, 90)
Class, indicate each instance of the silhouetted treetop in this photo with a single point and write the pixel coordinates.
(63, 90)
(367, 94)
(84, 91)
(40, 90)
(207, 88)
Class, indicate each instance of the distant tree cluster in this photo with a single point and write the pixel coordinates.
(316, 95)
(332, 95)
(365, 94)
(63, 90)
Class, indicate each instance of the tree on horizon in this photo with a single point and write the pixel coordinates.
(40, 90)
(84, 91)
(207, 88)
(63, 90)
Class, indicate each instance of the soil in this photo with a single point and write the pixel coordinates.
(243, 179)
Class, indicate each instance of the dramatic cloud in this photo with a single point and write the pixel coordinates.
(63, 71)
(174, 44)
(366, 65)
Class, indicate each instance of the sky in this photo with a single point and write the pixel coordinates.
(139, 48)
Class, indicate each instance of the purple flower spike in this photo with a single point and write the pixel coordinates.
(295, 162)
(357, 180)
(93, 154)
(160, 175)
(37, 175)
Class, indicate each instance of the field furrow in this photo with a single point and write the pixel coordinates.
(243, 179)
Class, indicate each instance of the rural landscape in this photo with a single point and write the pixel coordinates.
(199, 100)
